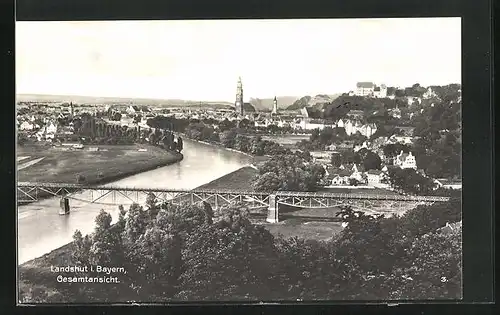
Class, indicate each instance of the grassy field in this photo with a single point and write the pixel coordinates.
(304, 229)
(61, 164)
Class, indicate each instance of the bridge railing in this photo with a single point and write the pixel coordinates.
(331, 195)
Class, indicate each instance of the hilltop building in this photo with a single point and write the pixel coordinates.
(364, 88)
(371, 90)
(275, 106)
(239, 104)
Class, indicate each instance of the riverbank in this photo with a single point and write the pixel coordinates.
(256, 160)
(237, 180)
(99, 164)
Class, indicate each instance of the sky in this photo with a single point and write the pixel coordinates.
(202, 60)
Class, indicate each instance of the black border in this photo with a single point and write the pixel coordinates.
(477, 98)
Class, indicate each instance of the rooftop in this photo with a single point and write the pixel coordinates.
(365, 85)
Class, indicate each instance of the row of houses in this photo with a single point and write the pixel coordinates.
(347, 175)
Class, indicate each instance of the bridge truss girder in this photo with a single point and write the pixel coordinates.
(128, 197)
(365, 205)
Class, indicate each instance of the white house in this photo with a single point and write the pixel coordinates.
(338, 176)
(380, 91)
(311, 124)
(405, 160)
(374, 177)
(351, 128)
(357, 172)
(449, 184)
(25, 125)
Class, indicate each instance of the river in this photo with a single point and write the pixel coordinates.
(41, 229)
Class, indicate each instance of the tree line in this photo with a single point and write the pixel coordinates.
(97, 131)
(193, 253)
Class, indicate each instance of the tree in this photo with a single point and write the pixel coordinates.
(436, 269)
(336, 160)
(288, 172)
(392, 150)
(409, 181)
(244, 124)
(242, 143)
(226, 125)
(228, 138)
(372, 161)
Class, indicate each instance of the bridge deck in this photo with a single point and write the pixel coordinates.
(282, 194)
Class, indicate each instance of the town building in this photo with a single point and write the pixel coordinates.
(374, 177)
(337, 176)
(371, 90)
(358, 172)
(353, 127)
(405, 160)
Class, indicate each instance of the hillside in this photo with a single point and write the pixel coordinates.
(267, 103)
(343, 104)
(115, 100)
(317, 101)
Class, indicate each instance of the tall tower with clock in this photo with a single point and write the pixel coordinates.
(238, 104)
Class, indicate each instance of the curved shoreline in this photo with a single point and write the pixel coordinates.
(174, 158)
(214, 144)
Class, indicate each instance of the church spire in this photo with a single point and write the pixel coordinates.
(238, 104)
(275, 105)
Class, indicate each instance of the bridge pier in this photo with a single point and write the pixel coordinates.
(65, 208)
(272, 211)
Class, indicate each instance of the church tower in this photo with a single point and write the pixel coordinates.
(238, 104)
(275, 106)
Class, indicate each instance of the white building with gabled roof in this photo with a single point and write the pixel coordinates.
(405, 160)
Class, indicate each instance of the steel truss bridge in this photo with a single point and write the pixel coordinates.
(113, 195)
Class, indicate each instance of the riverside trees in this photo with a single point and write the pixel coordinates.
(188, 253)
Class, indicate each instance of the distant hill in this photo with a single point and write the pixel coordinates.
(317, 101)
(117, 100)
(267, 103)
